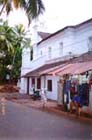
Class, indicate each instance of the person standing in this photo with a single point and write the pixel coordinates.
(43, 97)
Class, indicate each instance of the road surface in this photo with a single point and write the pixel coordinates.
(18, 122)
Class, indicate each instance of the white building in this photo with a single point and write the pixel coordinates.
(50, 51)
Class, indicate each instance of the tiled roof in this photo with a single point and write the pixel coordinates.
(43, 34)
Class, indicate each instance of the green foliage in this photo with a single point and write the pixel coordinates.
(32, 8)
(12, 41)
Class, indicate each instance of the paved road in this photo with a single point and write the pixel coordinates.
(23, 123)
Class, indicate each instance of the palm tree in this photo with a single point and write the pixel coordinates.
(6, 36)
(12, 40)
(20, 40)
(32, 7)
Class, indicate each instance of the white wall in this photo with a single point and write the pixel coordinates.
(26, 57)
(82, 35)
(66, 38)
(30, 87)
(23, 86)
(52, 95)
(26, 63)
(74, 40)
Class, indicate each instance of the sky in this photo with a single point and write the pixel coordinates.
(58, 14)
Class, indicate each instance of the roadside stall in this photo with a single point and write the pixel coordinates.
(75, 81)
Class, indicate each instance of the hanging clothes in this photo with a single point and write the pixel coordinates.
(90, 96)
(83, 95)
(83, 92)
(73, 90)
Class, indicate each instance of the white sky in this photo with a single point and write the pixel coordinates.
(58, 14)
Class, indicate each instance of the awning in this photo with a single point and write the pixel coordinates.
(74, 68)
(50, 70)
(60, 70)
(44, 70)
(55, 72)
(86, 66)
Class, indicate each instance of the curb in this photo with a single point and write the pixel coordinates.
(57, 112)
(68, 115)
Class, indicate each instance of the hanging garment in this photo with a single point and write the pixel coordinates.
(90, 96)
(78, 99)
(83, 92)
(72, 91)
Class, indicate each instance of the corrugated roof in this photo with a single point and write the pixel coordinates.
(75, 68)
(85, 66)
(37, 71)
(47, 71)
(54, 72)
(57, 66)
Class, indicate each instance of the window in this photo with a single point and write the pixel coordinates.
(49, 84)
(49, 52)
(61, 49)
(90, 44)
(41, 53)
(31, 54)
(38, 83)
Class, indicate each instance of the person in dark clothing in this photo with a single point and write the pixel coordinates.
(80, 99)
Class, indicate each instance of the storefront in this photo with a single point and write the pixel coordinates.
(75, 81)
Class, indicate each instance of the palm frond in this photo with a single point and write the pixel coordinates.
(32, 7)
(8, 7)
(41, 7)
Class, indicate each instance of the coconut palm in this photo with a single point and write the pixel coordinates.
(32, 7)
(6, 36)
(20, 40)
(12, 40)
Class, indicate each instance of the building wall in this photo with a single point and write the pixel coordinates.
(53, 94)
(73, 40)
(81, 40)
(50, 94)
(54, 43)
(23, 86)
(26, 63)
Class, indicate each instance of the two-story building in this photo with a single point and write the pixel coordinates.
(51, 52)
